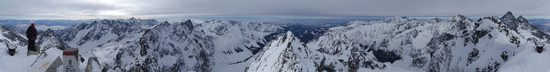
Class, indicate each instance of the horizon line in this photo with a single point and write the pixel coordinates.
(205, 16)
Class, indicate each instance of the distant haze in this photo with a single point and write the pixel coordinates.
(52, 9)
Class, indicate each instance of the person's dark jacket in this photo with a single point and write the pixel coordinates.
(31, 36)
(31, 32)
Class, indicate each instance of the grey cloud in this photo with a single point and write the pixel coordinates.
(279, 7)
(40, 27)
(49, 7)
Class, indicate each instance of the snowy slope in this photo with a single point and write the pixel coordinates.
(105, 32)
(11, 37)
(21, 62)
(180, 46)
(527, 61)
(48, 39)
(459, 44)
(99, 38)
(285, 54)
(403, 44)
(399, 44)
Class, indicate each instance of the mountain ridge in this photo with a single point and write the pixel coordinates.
(398, 44)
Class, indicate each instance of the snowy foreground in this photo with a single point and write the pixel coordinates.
(400, 44)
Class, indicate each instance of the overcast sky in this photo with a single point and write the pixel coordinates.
(155, 8)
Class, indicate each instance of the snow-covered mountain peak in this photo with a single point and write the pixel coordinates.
(47, 39)
(459, 44)
(509, 20)
(213, 45)
(459, 17)
(399, 19)
(462, 22)
(99, 32)
(396, 44)
(284, 54)
(288, 37)
(508, 16)
(189, 24)
(48, 32)
(4, 28)
(11, 35)
(162, 24)
(521, 19)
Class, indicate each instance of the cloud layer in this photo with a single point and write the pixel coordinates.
(117, 8)
(40, 26)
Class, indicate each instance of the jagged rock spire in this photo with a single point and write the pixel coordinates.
(509, 13)
(399, 19)
(48, 32)
(460, 17)
(189, 24)
(508, 16)
(48, 39)
(132, 18)
(509, 20)
(462, 22)
(521, 19)
(165, 23)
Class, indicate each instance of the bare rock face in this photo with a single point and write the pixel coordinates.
(11, 52)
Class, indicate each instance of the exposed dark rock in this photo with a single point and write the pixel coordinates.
(189, 24)
(321, 67)
(504, 56)
(386, 56)
(419, 62)
(509, 20)
(514, 40)
(462, 22)
(490, 68)
(472, 56)
(539, 49)
(478, 34)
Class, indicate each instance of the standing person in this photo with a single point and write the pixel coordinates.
(31, 36)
